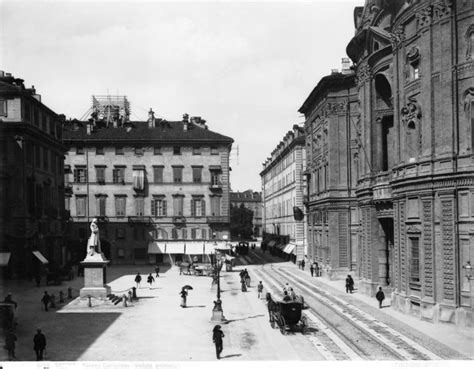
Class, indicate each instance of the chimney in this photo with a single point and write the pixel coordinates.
(186, 121)
(151, 119)
(346, 66)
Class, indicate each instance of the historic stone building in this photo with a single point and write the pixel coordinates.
(32, 217)
(253, 201)
(159, 188)
(331, 161)
(414, 69)
(283, 187)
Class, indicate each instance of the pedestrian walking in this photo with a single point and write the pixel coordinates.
(217, 336)
(138, 279)
(46, 300)
(39, 344)
(150, 280)
(351, 283)
(302, 264)
(247, 280)
(157, 271)
(316, 269)
(380, 296)
(183, 295)
(243, 285)
(10, 341)
(260, 289)
(311, 269)
(61, 297)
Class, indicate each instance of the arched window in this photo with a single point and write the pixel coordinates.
(470, 42)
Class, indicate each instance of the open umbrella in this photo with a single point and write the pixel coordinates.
(187, 287)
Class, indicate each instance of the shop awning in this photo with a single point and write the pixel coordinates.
(194, 248)
(40, 257)
(166, 248)
(4, 258)
(289, 248)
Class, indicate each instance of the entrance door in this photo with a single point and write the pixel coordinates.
(385, 251)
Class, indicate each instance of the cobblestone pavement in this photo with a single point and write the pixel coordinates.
(156, 328)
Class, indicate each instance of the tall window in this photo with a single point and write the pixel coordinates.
(139, 206)
(80, 174)
(196, 150)
(176, 150)
(158, 207)
(178, 206)
(215, 206)
(197, 174)
(215, 180)
(100, 174)
(118, 150)
(193, 233)
(81, 203)
(198, 207)
(99, 150)
(120, 202)
(158, 174)
(157, 150)
(177, 174)
(138, 176)
(414, 261)
(119, 175)
(101, 206)
(214, 150)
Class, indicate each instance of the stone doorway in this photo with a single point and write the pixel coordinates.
(386, 251)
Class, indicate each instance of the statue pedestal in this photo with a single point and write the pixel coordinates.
(95, 277)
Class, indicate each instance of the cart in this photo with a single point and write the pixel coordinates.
(288, 315)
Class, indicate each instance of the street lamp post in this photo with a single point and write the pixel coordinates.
(217, 312)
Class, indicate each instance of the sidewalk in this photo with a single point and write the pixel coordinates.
(457, 338)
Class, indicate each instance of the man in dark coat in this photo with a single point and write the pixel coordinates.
(138, 279)
(46, 300)
(302, 264)
(311, 269)
(10, 339)
(217, 336)
(39, 341)
(380, 296)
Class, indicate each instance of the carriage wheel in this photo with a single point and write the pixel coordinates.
(304, 324)
(282, 325)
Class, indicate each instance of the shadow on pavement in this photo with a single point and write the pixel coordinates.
(196, 306)
(236, 320)
(232, 355)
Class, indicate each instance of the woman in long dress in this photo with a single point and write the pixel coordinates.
(183, 294)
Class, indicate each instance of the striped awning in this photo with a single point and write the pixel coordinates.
(166, 248)
(194, 248)
(289, 248)
(40, 257)
(272, 243)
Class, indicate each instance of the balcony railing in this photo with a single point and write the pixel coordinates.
(179, 220)
(217, 219)
(215, 186)
(140, 219)
(382, 190)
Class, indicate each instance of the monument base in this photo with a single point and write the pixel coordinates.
(95, 277)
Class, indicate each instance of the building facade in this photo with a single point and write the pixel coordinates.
(159, 188)
(32, 217)
(253, 201)
(415, 191)
(331, 158)
(283, 189)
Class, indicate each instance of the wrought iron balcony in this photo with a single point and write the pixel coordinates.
(140, 219)
(215, 186)
(218, 219)
(179, 220)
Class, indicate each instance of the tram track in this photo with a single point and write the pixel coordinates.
(395, 345)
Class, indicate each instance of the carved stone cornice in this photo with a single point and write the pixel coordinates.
(336, 107)
(363, 73)
(433, 13)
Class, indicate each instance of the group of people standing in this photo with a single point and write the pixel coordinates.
(244, 279)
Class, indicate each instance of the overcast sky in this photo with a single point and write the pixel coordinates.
(246, 67)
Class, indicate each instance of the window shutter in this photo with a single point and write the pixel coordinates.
(163, 202)
(193, 211)
(203, 208)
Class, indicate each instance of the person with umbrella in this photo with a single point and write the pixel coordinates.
(184, 294)
(217, 336)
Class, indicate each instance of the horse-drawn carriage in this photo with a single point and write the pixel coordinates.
(287, 314)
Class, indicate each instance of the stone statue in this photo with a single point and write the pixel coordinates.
(93, 244)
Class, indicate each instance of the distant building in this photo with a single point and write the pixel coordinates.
(283, 188)
(253, 201)
(159, 188)
(32, 217)
(331, 112)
